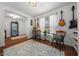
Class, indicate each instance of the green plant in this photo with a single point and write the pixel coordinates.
(45, 33)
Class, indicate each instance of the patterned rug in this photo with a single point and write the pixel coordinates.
(32, 48)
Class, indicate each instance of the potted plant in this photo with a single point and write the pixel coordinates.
(45, 34)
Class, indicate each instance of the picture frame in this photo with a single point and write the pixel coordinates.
(31, 22)
(14, 29)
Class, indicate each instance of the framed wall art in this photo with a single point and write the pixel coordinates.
(14, 29)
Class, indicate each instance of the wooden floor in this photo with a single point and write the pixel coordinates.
(9, 42)
(1, 51)
(69, 51)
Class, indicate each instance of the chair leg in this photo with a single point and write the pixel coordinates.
(63, 45)
(52, 42)
(60, 46)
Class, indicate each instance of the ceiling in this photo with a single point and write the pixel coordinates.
(41, 8)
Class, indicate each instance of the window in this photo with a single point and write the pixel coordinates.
(53, 23)
(42, 24)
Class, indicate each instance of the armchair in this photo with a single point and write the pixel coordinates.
(59, 37)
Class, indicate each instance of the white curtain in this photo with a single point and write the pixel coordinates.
(42, 24)
(53, 23)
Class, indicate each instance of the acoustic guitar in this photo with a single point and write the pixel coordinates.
(61, 22)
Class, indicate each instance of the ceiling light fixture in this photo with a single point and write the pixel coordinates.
(33, 4)
(14, 16)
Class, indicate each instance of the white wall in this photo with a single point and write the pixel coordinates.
(67, 15)
(1, 30)
(78, 24)
(21, 24)
(5, 23)
(29, 27)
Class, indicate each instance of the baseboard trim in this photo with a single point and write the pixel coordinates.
(1, 51)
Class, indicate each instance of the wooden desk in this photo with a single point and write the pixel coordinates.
(36, 33)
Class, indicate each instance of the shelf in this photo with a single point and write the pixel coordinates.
(76, 47)
(74, 29)
(74, 32)
(75, 41)
(75, 38)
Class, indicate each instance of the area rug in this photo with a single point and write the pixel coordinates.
(32, 48)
